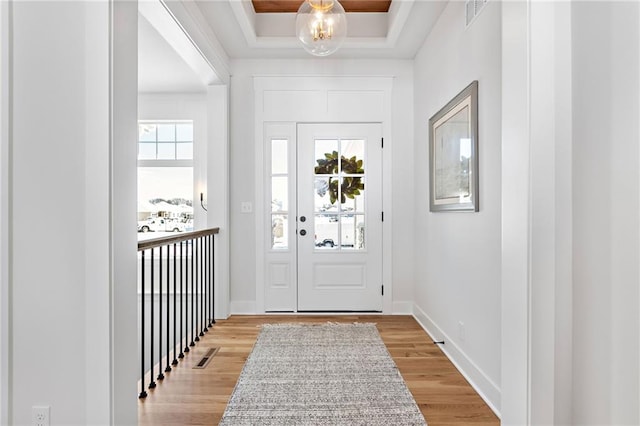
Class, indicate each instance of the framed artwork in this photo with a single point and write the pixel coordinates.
(453, 154)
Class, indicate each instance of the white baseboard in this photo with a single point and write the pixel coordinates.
(242, 307)
(402, 308)
(486, 388)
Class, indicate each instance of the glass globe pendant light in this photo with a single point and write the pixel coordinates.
(321, 26)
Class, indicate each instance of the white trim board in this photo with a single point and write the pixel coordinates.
(483, 385)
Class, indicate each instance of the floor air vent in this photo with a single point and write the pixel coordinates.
(206, 358)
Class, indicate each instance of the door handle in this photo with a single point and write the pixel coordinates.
(303, 219)
(303, 232)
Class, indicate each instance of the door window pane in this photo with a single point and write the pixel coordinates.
(279, 156)
(327, 156)
(352, 193)
(339, 196)
(352, 154)
(352, 232)
(327, 231)
(279, 231)
(279, 193)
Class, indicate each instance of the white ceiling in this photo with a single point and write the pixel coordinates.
(160, 68)
(395, 35)
(244, 34)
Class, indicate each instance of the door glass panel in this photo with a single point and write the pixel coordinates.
(279, 193)
(326, 157)
(352, 193)
(352, 232)
(339, 193)
(327, 231)
(279, 156)
(279, 231)
(325, 189)
(352, 156)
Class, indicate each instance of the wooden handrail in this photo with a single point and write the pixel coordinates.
(163, 241)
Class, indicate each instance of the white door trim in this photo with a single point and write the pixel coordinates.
(336, 99)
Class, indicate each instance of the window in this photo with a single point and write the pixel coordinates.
(279, 194)
(165, 177)
(165, 141)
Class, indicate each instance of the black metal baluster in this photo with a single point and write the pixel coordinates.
(168, 369)
(202, 292)
(175, 305)
(196, 323)
(212, 242)
(207, 292)
(152, 384)
(186, 288)
(160, 374)
(193, 284)
(182, 300)
(143, 393)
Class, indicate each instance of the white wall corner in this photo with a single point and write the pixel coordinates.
(402, 308)
(488, 390)
(194, 25)
(5, 247)
(242, 307)
(97, 260)
(218, 189)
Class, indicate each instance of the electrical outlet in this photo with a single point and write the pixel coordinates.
(246, 207)
(461, 332)
(40, 415)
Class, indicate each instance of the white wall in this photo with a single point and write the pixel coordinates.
(242, 179)
(606, 105)
(457, 255)
(4, 213)
(72, 158)
(48, 272)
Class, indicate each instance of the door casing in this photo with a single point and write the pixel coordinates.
(289, 100)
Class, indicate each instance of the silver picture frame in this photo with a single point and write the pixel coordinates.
(453, 154)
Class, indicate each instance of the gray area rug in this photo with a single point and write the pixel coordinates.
(321, 374)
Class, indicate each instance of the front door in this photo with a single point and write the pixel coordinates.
(339, 217)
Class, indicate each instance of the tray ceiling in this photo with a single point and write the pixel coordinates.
(291, 6)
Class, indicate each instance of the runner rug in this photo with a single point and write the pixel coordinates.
(321, 374)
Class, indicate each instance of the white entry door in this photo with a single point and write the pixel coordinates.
(339, 217)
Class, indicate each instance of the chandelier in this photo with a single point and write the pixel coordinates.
(321, 26)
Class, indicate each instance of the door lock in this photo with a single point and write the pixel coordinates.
(303, 219)
(303, 232)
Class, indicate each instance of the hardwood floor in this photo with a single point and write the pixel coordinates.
(199, 396)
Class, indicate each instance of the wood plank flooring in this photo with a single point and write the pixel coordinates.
(198, 397)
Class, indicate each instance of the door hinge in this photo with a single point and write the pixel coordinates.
(383, 289)
(382, 142)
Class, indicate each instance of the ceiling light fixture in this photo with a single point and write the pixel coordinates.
(321, 26)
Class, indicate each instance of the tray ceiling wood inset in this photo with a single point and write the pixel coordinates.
(291, 6)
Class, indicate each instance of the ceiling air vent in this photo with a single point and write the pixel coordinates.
(472, 9)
